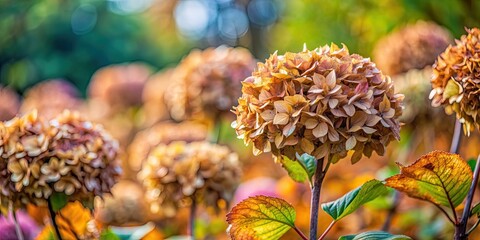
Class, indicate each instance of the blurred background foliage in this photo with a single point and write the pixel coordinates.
(72, 39)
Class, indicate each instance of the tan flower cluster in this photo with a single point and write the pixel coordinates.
(51, 98)
(119, 86)
(456, 80)
(412, 47)
(416, 83)
(66, 155)
(162, 133)
(10, 103)
(126, 206)
(176, 173)
(323, 102)
(154, 106)
(208, 83)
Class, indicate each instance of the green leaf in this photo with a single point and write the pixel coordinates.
(301, 169)
(88, 203)
(374, 235)
(354, 199)
(108, 234)
(471, 162)
(309, 163)
(475, 209)
(439, 177)
(260, 217)
(58, 200)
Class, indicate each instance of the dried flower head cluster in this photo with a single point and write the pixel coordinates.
(208, 83)
(416, 83)
(51, 98)
(162, 133)
(176, 173)
(10, 103)
(154, 106)
(323, 102)
(119, 86)
(66, 155)
(126, 206)
(412, 47)
(456, 80)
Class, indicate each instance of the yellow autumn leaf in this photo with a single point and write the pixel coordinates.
(260, 217)
(439, 177)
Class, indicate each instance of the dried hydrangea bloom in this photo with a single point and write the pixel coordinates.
(456, 80)
(24, 146)
(89, 152)
(10, 103)
(51, 98)
(208, 83)
(323, 102)
(417, 110)
(126, 207)
(67, 155)
(162, 133)
(412, 47)
(119, 86)
(154, 107)
(178, 172)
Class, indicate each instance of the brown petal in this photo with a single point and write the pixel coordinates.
(306, 145)
(281, 119)
(351, 142)
(321, 130)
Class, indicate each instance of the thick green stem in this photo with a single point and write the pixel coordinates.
(52, 217)
(315, 199)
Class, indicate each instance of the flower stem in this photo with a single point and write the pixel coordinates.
(327, 230)
(191, 220)
(300, 233)
(461, 228)
(457, 137)
(315, 199)
(391, 212)
(52, 217)
(18, 229)
(216, 131)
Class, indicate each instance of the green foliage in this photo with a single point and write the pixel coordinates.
(354, 199)
(475, 210)
(58, 201)
(261, 217)
(108, 234)
(302, 169)
(360, 24)
(374, 235)
(38, 41)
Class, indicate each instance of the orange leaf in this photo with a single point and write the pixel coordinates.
(439, 177)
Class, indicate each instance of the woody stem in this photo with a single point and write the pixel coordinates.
(457, 137)
(315, 199)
